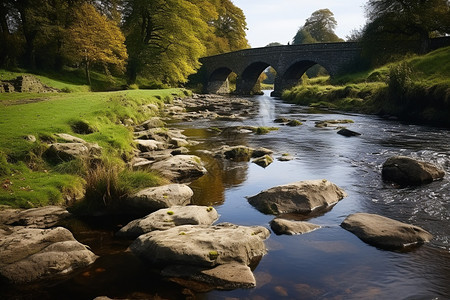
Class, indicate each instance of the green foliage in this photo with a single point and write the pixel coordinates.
(163, 41)
(412, 22)
(318, 28)
(399, 80)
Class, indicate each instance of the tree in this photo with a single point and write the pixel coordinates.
(303, 37)
(321, 25)
(274, 44)
(410, 23)
(93, 39)
(228, 29)
(163, 39)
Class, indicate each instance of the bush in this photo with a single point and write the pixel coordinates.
(400, 80)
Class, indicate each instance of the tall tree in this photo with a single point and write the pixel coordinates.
(94, 39)
(321, 25)
(162, 38)
(229, 28)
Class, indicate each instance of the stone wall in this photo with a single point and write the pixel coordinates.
(25, 84)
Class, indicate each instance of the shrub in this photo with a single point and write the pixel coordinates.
(399, 80)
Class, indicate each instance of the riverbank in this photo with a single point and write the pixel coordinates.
(32, 122)
(415, 89)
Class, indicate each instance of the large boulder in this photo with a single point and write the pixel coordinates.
(30, 254)
(72, 149)
(383, 232)
(41, 217)
(167, 218)
(298, 197)
(282, 226)
(408, 171)
(180, 168)
(154, 198)
(203, 245)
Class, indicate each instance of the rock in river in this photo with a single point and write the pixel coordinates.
(383, 232)
(30, 254)
(282, 226)
(203, 245)
(170, 217)
(408, 171)
(152, 199)
(180, 168)
(297, 197)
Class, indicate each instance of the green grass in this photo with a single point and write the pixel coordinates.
(43, 115)
(416, 89)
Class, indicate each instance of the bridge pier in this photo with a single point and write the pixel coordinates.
(246, 87)
(281, 84)
(218, 87)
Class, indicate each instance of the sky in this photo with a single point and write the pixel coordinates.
(278, 20)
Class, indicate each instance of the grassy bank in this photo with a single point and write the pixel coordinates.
(415, 89)
(28, 179)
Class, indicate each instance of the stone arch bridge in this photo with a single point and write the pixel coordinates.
(290, 62)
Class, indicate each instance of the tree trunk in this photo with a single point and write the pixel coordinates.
(88, 74)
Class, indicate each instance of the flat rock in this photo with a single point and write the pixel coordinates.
(150, 145)
(203, 245)
(385, 233)
(282, 226)
(180, 168)
(153, 122)
(154, 198)
(30, 254)
(41, 217)
(167, 218)
(70, 138)
(298, 197)
(408, 171)
(222, 277)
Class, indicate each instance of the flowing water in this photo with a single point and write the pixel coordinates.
(329, 263)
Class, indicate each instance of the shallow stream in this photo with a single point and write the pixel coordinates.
(329, 263)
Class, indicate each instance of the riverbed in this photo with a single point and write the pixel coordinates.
(329, 263)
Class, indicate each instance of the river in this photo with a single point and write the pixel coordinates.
(329, 263)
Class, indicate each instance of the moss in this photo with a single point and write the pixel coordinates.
(264, 130)
(213, 255)
(209, 209)
(170, 213)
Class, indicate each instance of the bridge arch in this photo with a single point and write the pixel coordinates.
(293, 74)
(247, 80)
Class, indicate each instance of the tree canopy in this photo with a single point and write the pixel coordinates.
(411, 21)
(94, 39)
(163, 38)
(318, 28)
